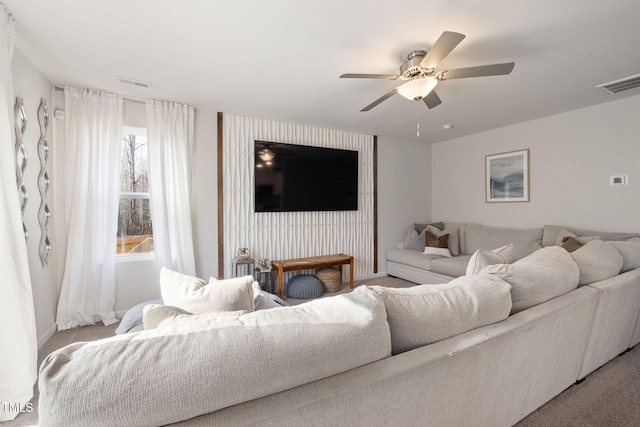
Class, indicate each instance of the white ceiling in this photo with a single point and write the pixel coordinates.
(280, 59)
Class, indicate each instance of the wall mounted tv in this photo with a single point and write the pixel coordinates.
(300, 178)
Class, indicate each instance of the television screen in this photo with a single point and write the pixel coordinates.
(294, 178)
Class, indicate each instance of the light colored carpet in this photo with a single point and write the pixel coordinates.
(608, 397)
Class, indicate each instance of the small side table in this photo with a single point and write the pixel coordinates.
(312, 262)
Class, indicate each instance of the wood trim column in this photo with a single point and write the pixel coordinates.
(220, 199)
(375, 204)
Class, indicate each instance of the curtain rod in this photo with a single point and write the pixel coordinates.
(138, 101)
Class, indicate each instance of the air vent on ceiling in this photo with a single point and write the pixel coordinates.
(622, 85)
(132, 82)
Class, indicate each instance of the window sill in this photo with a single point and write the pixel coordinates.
(150, 256)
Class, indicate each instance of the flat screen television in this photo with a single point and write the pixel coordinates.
(300, 178)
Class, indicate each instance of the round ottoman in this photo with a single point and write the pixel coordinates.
(303, 286)
(331, 279)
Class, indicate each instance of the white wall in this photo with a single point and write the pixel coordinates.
(404, 190)
(572, 156)
(30, 84)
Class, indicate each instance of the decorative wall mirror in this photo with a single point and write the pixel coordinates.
(44, 214)
(20, 125)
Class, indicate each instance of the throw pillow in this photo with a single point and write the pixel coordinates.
(568, 233)
(570, 244)
(597, 260)
(481, 259)
(428, 250)
(425, 314)
(162, 316)
(436, 245)
(453, 242)
(433, 241)
(545, 274)
(414, 240)
(630, 251)
(133, 317)
(196, 296)
(421, 227)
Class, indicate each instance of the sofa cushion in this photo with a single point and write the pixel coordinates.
(539, 277)
(453, 239)
(196, 296)
(551, 232)
(486, 238)
(162, 316)
(630, 251)
(454, 267)
(480, 259)
(425, 314)
(163, 376)
(412, 258)
(597, 260)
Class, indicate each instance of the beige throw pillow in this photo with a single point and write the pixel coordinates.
(196, 296)
(425, 314)
(480, 259)
(161, 316)
(597, 260)
(545, 274)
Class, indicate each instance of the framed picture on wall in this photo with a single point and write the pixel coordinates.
(507, 177)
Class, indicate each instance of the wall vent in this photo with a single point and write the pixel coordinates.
(622, 85)
(134, 83)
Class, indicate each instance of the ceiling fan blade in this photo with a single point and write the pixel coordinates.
(369, 76)
(379, 100)
(441, 48)
(479, 71)
(432, 100)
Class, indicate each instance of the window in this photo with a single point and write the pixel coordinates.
(135, 232)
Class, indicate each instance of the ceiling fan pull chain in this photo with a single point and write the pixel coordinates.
(417, 120)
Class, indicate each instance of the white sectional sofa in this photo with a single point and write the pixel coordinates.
(407, 260)
(459, 353)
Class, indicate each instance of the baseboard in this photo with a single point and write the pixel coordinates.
(43, 339)
(371, 276)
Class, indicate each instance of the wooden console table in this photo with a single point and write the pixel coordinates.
(312, 262)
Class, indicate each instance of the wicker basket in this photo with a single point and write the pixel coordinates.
(331, 279)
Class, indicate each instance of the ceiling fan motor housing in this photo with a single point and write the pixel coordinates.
(411, 68)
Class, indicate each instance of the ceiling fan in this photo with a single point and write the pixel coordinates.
(419, 70)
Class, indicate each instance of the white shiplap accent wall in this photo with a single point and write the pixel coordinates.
(293, 234)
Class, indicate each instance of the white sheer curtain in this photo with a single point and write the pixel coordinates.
(18, 338)
(170, 142)
(91, 192)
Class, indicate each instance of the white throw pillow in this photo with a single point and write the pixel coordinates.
(161, 316)
(545, 274)
(428, 250)
(630, 251)
(480, 259)
(196, 296)
(425, 314)
(597, 260)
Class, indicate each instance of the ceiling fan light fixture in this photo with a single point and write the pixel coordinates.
(417, 89)
(266, 155)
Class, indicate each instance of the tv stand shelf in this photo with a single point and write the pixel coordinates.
(298, 264)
